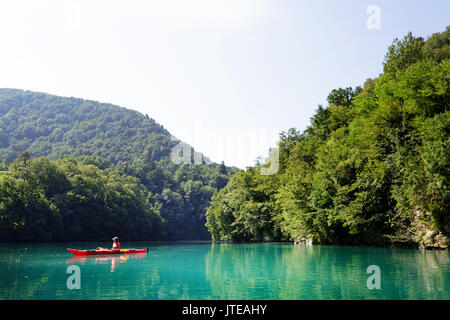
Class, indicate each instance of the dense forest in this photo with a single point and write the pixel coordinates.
(372, 168)
(74, 169)
(53, 126)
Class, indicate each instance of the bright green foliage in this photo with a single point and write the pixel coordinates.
(47, 125)
(126, 172)
(242, 211)
(372, 168)
(182, 196)
(73, 199)
(88, 198)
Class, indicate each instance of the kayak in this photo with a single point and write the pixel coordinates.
(106, 251)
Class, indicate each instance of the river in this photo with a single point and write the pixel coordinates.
(204, 270)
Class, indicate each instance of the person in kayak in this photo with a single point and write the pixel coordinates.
(116, 243)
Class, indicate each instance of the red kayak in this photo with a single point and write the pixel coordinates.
(106, 251)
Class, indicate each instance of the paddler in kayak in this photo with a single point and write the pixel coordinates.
(116, 243)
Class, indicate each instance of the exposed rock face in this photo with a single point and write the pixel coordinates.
(425, 234)
(433, 240)
(302, 240)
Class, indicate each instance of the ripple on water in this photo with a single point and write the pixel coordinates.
(224, 271)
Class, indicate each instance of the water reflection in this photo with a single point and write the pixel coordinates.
(224, 271)
(324, 272)
(114, 260)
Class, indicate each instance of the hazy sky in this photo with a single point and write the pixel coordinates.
(223, 76)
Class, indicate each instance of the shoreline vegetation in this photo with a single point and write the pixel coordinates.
(79, 169)
(91, 199)
(234, 242)
(370, 170)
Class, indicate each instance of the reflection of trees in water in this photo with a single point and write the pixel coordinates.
(41, 274)
(243, 271)
(17, 279)
(181, 272)
(115, 276)
(323, 272)
(431, 269)
(169, 272)
(250, 271)
(26, 283)
(231, 271)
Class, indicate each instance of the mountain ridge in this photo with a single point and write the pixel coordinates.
(79, 135)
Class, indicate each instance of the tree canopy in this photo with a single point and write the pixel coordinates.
(372, 168)
(96, 169)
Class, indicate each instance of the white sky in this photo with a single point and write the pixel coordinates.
(223, 76)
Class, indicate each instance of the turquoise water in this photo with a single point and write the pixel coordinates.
(223, 271)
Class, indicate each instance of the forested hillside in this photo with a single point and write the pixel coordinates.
(110, 168)
(371, 169)
(48, 125)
